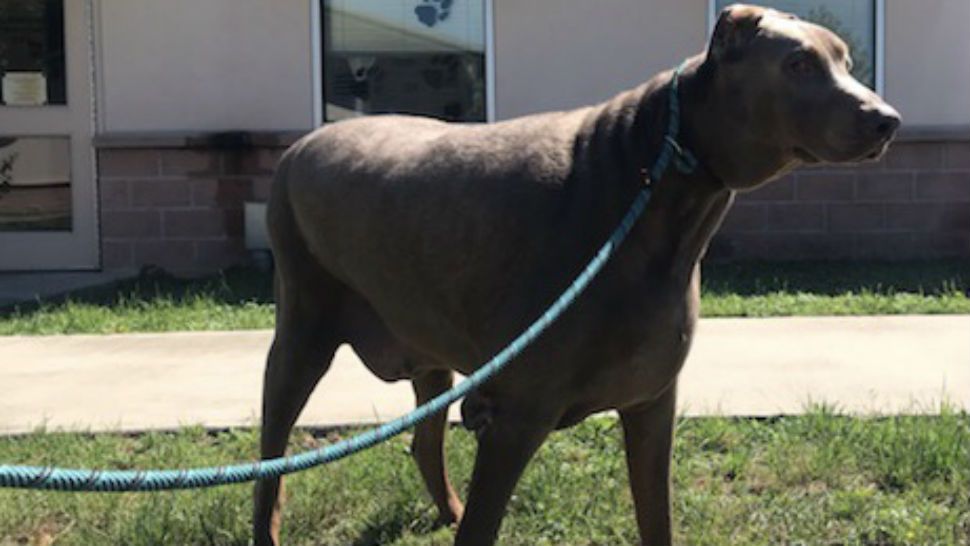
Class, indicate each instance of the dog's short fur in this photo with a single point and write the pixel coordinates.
(427, 246)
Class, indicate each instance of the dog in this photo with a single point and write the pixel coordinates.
(427, 246)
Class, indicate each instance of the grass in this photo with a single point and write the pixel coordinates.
(816, 479)
(243, 299)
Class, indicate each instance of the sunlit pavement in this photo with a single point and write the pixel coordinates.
(748, 367)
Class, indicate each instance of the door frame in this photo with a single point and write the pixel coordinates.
(78, 249)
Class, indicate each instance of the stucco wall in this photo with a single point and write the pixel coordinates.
(212, 65)
(928, 60)
(555, 54)
(246, 64)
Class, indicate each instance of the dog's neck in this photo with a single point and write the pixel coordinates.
(718, 135)
(689, 208)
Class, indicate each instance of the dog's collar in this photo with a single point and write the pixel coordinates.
(684, 160)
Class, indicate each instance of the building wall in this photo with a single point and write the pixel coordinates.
(913, 204)
(928, 60)
(558, 54)
(247, 64)
(180, 208)
(184, 65)
(177, 203)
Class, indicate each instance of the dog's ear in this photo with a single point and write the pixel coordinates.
(736, 27)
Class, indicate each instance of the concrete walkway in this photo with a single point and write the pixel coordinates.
(737, 367)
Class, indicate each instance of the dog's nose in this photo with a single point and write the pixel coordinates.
(883, 122)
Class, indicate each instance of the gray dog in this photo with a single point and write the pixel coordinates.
(428, 246)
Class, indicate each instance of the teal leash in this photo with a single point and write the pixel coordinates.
(64, 479)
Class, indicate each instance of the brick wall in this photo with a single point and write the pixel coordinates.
(913, 204)
(181, 207)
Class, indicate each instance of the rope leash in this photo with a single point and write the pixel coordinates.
(64, 479)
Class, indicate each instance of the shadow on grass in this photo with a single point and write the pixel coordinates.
(393, 523)
(232, 287)
(242, 285)
(835, 278)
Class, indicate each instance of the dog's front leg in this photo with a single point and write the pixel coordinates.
(505, 446)
(648, 432)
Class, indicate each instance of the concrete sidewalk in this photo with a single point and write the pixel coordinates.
(737, 367)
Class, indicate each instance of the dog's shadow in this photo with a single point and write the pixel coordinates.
(391, 524)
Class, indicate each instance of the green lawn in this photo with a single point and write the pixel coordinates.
(815, 479)
(242, 299)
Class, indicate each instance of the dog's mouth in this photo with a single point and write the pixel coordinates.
(805, 156)
(874, 153)
(878, 151)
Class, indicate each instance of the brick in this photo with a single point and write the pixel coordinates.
(160, 193)
(888, 186)
(173, 256)
(915, 155)
(782, 189)
(224, 192)
(941, 245)
(851, 218)
(116, 255)
(796, 217)
(262, 188)
(957, 155)
(114, 194)
(131, 224)
(215, 255)
(745, 217)
(913, 216)
(194, 224)
(235, 222)
(945, 186)
(825, 186)
(721, 248)
(955, 217)
(884, 246)
(190, 162)
(121, 163)
(791, 246)
(251, 161)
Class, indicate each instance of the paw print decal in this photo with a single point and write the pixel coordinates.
(432, 12)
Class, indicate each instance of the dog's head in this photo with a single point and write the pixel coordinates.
(789, 83)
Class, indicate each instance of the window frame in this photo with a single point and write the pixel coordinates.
(879, 47)
(317, 68)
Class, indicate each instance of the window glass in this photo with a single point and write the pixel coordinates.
(32, 52)
(35, 184)
(853, 20)
(405, 56)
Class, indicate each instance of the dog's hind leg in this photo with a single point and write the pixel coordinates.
(301, 353)
(428, 446)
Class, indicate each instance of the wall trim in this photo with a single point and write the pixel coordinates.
(228, 140)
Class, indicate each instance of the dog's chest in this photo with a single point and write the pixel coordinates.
(637, 359)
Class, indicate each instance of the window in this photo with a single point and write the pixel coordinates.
(855, 21)
(424, 57)
(32, 52)
(35, 184)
